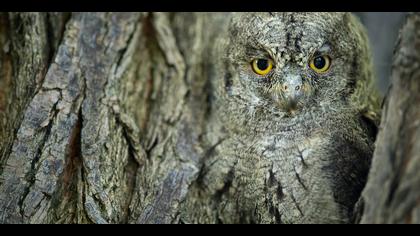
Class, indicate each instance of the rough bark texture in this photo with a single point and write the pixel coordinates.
(101, 115)
(392, 194)
(103, 119)
(56, 93)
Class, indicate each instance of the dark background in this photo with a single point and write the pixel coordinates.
(383, 28)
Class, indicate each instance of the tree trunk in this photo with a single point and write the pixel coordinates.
(392, 193)
(103, 118)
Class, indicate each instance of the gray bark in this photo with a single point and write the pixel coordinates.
(392, 194)
(102, 118)
(56, 93)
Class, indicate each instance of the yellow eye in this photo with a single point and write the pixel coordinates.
(262, 66)
(320, 64)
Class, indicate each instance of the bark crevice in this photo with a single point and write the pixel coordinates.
(34, 167)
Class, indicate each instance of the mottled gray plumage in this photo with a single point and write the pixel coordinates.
(298, 143)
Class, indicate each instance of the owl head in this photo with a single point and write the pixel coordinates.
(288, 63)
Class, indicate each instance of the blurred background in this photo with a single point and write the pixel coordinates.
(383, 28)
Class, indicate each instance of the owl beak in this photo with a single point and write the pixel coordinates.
(290, 92)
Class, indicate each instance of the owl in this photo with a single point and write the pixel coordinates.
(295, 98)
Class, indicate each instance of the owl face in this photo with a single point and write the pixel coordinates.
(288, 62)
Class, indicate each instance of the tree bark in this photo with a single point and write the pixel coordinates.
(392, 193)
(103, 119)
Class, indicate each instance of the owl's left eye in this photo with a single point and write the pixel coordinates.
(262, 66)
(320, 64)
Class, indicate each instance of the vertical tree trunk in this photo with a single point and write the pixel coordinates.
(392, 194)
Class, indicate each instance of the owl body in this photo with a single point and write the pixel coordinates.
(296, 104)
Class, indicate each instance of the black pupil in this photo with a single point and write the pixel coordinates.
(319, 62)
(262, 64)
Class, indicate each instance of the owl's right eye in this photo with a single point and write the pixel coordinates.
(262, 66)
